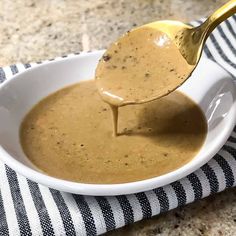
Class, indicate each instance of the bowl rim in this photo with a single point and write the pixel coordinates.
(122, 188)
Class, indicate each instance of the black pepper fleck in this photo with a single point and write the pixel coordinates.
(106, 57)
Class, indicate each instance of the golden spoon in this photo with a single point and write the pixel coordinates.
(188, 42)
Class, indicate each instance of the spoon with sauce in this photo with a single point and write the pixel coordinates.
(152, 60)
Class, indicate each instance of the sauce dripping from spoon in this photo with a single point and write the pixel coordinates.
(115, 111)
(141, 66)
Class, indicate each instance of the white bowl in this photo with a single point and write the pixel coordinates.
(209, 86)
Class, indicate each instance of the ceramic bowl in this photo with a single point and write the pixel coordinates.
(209, 86)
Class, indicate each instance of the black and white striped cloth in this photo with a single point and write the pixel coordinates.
(27, 208)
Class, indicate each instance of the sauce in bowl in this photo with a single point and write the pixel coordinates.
(68, 135)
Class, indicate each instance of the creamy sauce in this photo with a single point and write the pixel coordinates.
(141, 66)
(68, 135)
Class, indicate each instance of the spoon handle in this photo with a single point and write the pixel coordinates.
(218, 16)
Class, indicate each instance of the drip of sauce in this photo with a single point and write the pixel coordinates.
(141, 66)
(114, 111)
(68, 135)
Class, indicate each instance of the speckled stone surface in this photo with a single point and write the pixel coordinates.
(32, 30)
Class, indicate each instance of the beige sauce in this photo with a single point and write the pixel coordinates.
(68, 135)
(141, 66)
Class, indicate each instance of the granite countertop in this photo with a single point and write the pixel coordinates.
(34, 30)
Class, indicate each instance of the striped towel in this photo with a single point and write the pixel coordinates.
(27, 208)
